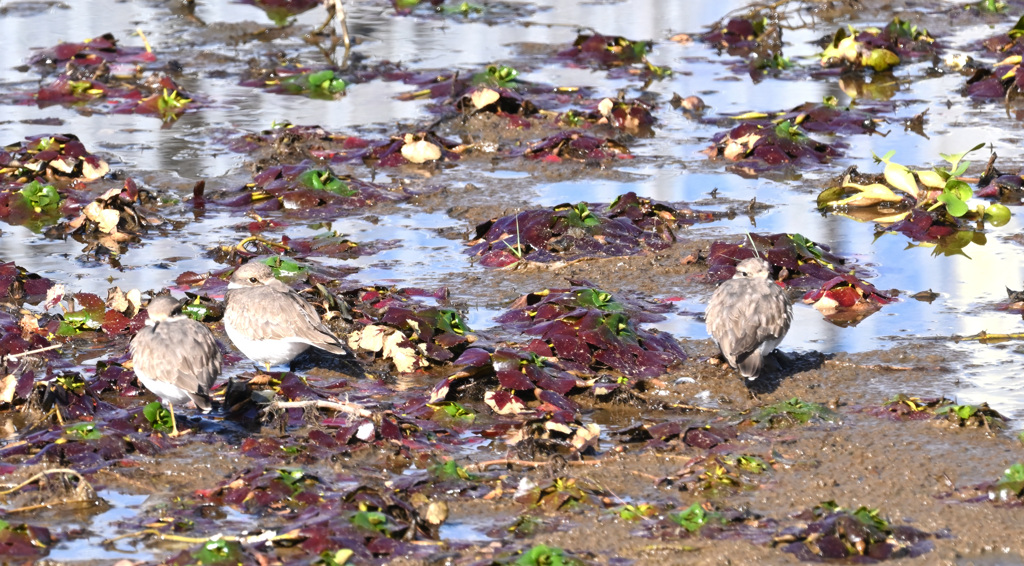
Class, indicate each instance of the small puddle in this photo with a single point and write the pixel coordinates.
(455, 531)
(102, 527)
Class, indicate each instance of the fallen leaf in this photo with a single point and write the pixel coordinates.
(421, 151)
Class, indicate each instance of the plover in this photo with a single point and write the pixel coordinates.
(748, 316)
(271, 323)
(175, 357)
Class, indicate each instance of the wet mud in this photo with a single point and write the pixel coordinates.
(541, 393)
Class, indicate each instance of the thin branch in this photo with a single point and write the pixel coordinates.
(985, 337)
(36, 351)
(340, 406)
(481, 466)
(40, 476)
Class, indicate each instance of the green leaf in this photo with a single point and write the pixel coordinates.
(83, 431)
(456, 411)
(1018, 29)
(284, 266)
(997, 214)
(692, 518)
(71, 382)
(870, 518)
(954, 206)
(601, 300)
(4, 525)
(334, 557)
(218, 551)
(293, 478)
(196, 310)
(789, 131)
(795, 409)
(158, 416)
(451, 470)
(806, 247)
(371, 520)
(960, 189)
(636, 512)
(881, 59)
(752, 464)
(542, 555)
(580, 216)
(450, 320)
(954, 158)
(319, 78)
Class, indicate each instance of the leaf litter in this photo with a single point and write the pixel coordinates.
(562, 353)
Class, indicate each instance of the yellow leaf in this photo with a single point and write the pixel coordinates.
(868, 195)
(931, 179)
(108, 220)
(1011, 60)
(901, 178)
(750, 116)
(421, 151)
(484, 97)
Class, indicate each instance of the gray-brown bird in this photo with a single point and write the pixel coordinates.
(175, 357)
(271, 323)
(748, 316)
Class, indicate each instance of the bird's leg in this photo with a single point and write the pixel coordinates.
(336, 10)
(174, 423)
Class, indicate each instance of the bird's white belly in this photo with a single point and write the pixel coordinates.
(166, 391)
(270, 352)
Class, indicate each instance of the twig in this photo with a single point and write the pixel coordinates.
(240, 246)
(40, 476)
(340, 406)
(985, 337)
(481, 466)
(879, 367)
(654, 479)
(163, 536)
(686, 407)
(36, 351)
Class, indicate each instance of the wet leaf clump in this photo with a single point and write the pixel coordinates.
(763, 144)
(792, 412)
(405, 330)
(613, 52)
(836, 288)
(306, 191)
(630, 225)
(50, 158)
(878, 49)
(832, 533)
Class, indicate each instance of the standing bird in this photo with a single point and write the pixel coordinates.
(748, 316)
(175, 357)
(271, 323)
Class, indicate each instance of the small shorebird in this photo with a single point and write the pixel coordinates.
(175, 357)
(271, 323)
(748, 316)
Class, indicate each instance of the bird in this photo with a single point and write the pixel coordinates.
(748, 316)
(175, 357)
(271, 323)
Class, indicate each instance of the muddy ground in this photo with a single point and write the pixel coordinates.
(251, 485)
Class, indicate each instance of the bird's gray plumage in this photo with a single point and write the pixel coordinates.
(270, 322)
(174, 356)
(748, 316)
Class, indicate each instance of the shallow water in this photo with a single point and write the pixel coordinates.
(668, 167)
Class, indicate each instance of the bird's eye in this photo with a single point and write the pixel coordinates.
(253, 280)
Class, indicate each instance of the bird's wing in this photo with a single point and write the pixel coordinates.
(290, 318)
(756, 314)
(183, 353)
